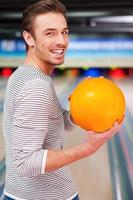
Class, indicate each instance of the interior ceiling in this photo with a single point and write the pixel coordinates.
(84, 16)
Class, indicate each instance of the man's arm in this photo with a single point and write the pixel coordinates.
(58, 159)
(30, 127)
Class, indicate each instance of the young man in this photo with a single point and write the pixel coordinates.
(34, 122)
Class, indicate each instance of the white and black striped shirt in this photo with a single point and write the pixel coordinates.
(34, 123)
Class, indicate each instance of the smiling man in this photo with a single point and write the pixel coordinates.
(47, 42)
(34, 122)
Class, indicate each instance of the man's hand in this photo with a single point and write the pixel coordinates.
(95, 140)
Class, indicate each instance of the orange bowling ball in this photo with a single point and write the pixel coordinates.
(96, 103)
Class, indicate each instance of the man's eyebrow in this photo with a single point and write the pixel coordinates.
(49, 29)
(54, 29)
(66, 28)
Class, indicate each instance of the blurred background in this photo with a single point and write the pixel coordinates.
(101, 44)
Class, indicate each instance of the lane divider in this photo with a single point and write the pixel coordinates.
(126, 139)
(121, 161)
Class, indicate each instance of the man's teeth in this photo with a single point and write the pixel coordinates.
(58, 51)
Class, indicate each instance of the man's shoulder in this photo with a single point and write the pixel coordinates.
(27, 73)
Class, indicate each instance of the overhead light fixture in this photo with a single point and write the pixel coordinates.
(115, 19)
(12, 15)
(86, 14)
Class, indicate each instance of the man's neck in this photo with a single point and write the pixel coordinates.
(31, 60)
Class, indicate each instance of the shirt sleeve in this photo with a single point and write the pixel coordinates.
(30, 126)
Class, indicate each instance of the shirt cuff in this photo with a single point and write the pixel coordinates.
(71, 122)
(44, 161)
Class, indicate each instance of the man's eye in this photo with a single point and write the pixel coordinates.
(50, 33)
(65, 32)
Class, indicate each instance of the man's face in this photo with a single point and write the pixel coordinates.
(50, 38)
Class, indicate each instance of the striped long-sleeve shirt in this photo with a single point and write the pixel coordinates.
(33, 124)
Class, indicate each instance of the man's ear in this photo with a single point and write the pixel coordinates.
(28, 39)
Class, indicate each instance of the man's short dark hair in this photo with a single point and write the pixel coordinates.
(40, 7)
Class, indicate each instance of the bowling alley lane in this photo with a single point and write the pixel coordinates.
(2, 153)
(126, 135)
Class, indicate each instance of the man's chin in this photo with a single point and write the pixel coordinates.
(59, 62)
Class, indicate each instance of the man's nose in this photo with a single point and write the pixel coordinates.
(61, 39)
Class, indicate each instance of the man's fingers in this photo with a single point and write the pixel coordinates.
(69, 97)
